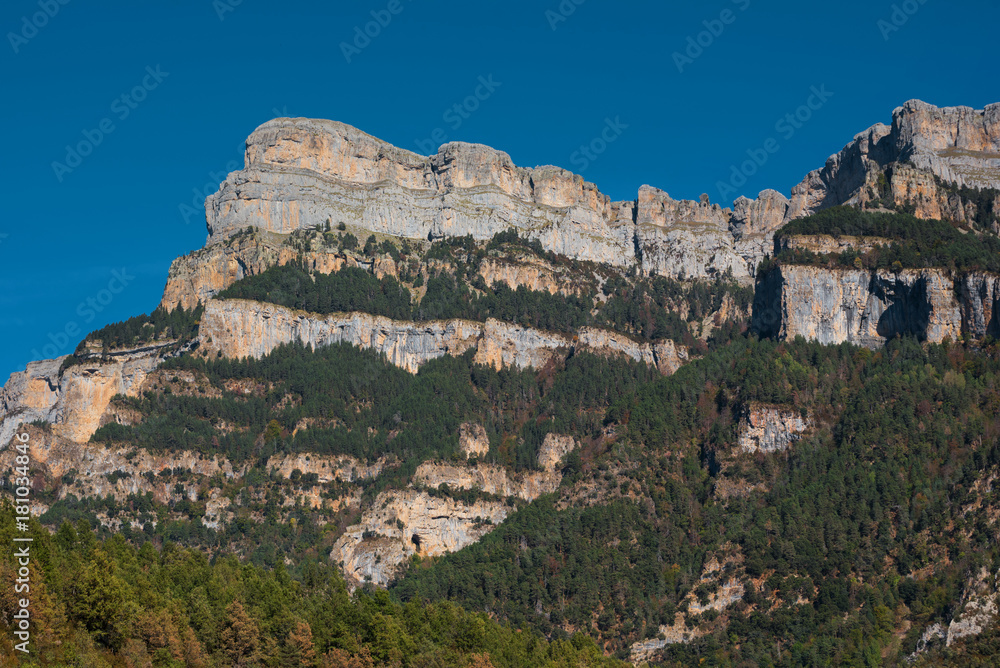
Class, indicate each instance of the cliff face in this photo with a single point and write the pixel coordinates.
(487, 478)
(203, 274)
(239, 328)
(980, 301)
(855, 306)
(684, 239)
(300, 173)
(88, 470)
(898, 164)
(770, 428)
(402, 523)
(74, 401)
(410, 522)
(303, 172)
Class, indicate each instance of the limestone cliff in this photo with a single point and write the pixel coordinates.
(402, 523)
(487, 478)
(684, 239)
(300, 173)
(909, 163)
(770, 428)
(980, 304)
(203, 274)
(239, 328)
(473, 440)
(72, 400)
(865, 308)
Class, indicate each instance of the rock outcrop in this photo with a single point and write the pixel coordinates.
(488, 478)
(504, 344)
(906, 164)
(326, 468)
(240, 328)
(754, 223)
(554, 448)
(770, 428)
(531, 273)
(72, 400)
(865, 308)
(300, 173)
(727, 591)
(402, 523)
(977, 611)
(684, 239)
(92, 469)
(980, 305)
(473, 440)
(203, 274)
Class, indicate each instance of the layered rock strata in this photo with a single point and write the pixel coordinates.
(72, 400)
(300, 173)
(865, 308)
(240, 328)
(905, 163)
(403, 523)
(770, 428)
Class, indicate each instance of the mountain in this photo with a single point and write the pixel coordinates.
(759, 434)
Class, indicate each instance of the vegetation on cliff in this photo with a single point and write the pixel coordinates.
(910, 243)
(647, 308)
(871, 524)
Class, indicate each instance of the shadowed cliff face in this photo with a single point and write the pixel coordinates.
(835, 306)
(909, 310)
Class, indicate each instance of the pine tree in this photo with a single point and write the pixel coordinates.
(240, 637)
(299, 650)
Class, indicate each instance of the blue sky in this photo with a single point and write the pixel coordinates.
(164, 94)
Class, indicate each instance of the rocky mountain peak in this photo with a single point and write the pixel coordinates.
(918, 163)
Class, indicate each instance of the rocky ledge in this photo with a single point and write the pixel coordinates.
(301, 172)
(239, 328)
(866, 308)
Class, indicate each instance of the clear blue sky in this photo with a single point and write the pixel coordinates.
(123, 206)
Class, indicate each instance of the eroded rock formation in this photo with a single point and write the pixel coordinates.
(72, 400)
(908, 163)
(865, 308)
(770, 428)
(240, 328)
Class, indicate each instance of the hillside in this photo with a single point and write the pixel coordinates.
(449, 411)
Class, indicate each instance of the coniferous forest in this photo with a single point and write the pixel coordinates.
(876, 521)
